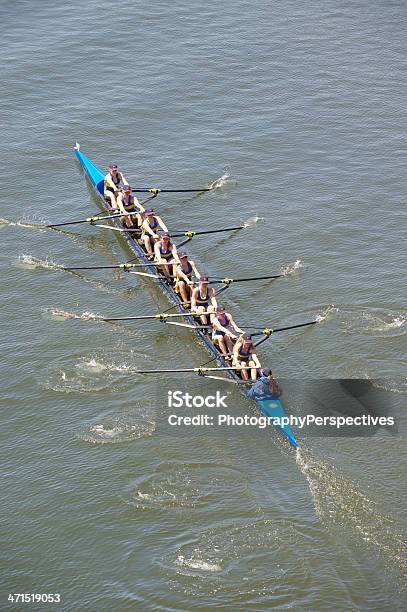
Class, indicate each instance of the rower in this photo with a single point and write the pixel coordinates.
(203, 300)
(111, 184)
(150, 226)
(222, 334)
(166, 253)
(266, 387)
(128, 203)
(184, 272)
(244, 354)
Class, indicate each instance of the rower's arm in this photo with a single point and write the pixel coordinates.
(236, 348)
(148, 229)
(220, 327)
(175, 253)
(109, 183)
(157, 252)
(162, 224)
(213, 299)
(193, 300)
(235, 327)
(123, 179)
(119, 202)
(181, 274)
(256, 359)
(139, 206)
(194, 270)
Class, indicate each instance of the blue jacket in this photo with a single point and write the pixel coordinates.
(261, 390)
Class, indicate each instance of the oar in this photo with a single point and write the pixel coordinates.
(229, 281)
(200, 371)
(96, 218)
(92, 220)
(268, 331)
(156, 190)
(228, 380)
(161, 316)
(144, 274)
(117, 229)
(191, 234)
(123, 266)
(188, 325)
(181, 244)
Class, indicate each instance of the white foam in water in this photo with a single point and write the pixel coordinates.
(112, 432)
(60, 315)
(379, 325)
(325, 314)
(95, 365)
(398, 322)
(34, 222)
(375, 322)
(92, 365)
(198, 564)
(63, 315)
(29, 261)
(120, 428)
(251, 221)
(220, 182)
(292, 268)
(21, 223)
(89, 316)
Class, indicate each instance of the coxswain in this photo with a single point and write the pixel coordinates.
(151, 224)
(184, 272)
(266, 387)
(128, 203)
(165, 252)
(203, 300)
(244, 356)
(111, 184)
(222, 333)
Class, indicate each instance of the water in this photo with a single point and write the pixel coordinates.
(300, 108)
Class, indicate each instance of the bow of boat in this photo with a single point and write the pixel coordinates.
(94, 174)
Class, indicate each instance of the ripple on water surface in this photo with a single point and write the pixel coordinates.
(242, 560)
(105, 371)
(189, 486)
(122, 427)
(377, 322)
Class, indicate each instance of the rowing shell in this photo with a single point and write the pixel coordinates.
(270, 408)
